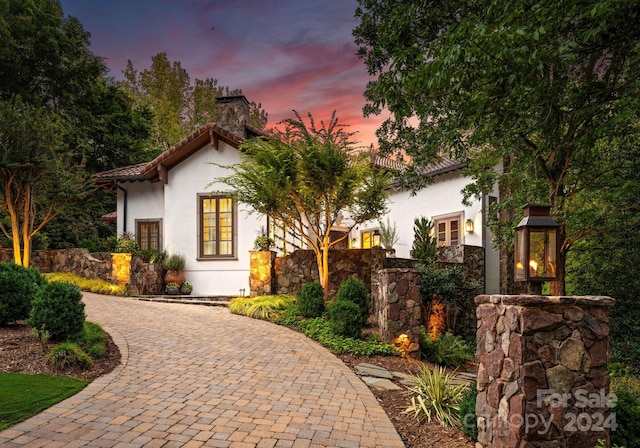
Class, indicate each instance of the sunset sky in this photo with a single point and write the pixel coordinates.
(285, 54)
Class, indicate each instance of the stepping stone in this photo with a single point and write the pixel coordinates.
(380, 383)
(404, 378)
(365, 369)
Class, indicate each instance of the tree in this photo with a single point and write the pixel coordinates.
(36, 176)
(424, 244)
(45, 60)
(543, 89)
(306, 179)
(179, 107)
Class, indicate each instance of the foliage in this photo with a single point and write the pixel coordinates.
(305, 179)
(424, 243)
(175, 262)
(354, 291)
(447, 349)
(179, 106)
(46, 63)
(18, 287)
(37, 175)
(467, 414)
(345, 318)
(91, 340)
(96, 285)
(627, 410)
(186, 288)
(320, 330)
(153, 256)
(22, 396)
(172, 288)
(547, 91)
(261, 307)
(263, 242)
(127, 244)
(58, 309)
(311, 300)
(68, 354)
(436, 396)
(448, 284)
(388, 235)
(606, 264)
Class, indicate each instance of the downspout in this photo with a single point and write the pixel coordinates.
(124, 211)
(485, 204)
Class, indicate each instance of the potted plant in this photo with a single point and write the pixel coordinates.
(172, 288)
(389, 237)
(263, 242)
(174, 265)
(186, 288)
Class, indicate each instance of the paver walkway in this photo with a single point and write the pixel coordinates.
(196, 376)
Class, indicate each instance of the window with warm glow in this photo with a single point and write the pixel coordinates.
(369, 239)
(217, 227)
(448, 230)
(148, 234)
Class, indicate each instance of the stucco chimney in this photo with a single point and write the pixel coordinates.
(232, 113)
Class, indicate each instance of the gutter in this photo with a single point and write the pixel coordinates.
(124, 211)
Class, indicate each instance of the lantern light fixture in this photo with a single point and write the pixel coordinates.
(468, 226)
(536, 245)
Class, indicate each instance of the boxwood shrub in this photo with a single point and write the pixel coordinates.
(354, 291)
(311, 300)
(19, 286)
(345, 318)
(58, 309)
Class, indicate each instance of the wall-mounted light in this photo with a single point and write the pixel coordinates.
(468, 226)
(376, 239)
(536, 245)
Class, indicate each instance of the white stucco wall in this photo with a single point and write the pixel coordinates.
(144, 201)
(443, 197)
(177, 204)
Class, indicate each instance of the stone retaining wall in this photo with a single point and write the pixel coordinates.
(141, 278)
(541, 376)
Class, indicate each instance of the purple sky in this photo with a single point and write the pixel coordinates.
(285, 54)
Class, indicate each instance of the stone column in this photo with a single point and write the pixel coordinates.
(541, 375)
(398, 309)
(261, 273)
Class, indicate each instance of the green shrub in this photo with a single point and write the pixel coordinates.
(67, 355)
(96, 285)
(346, 319)
(355, 291)
(467, 413)
(261, 307)
(175, 262)
(311, 300)
(446, 349)
(91, 339)
(58, 309)
(627, 411)
(436, 396)
(127, 245)
(18, 286)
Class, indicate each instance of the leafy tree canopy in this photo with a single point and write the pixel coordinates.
(306, 178)
(550, 89)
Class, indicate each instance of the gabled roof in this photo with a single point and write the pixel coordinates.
(442, 166)
(156, 170)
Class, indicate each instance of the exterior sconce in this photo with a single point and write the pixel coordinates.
(536, 245)
(468, 226)
(354, 243)
(376, 239)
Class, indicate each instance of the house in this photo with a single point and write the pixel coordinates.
(171, 203)
(441, 201)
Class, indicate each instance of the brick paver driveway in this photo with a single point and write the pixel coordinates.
(199, 376)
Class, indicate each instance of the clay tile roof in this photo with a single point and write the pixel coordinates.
(443, 166)
(125, 173)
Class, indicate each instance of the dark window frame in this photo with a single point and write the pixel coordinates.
(139, 233)
(201, 225)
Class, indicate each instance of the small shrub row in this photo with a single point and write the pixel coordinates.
(87, 284)
(19, 286)
(261, 307)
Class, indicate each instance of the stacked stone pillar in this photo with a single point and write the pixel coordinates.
(397, 306)
(261, 274)
(541, 375)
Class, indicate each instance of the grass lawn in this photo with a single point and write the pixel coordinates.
(22, 396)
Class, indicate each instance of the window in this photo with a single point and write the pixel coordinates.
(370, 238)
(448, 230)
(148, 234)
(217, 227)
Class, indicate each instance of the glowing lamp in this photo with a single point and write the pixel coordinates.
(468, 226)
(536, 245)
(376, 239)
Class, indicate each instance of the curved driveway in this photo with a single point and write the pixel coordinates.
(196, 376)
